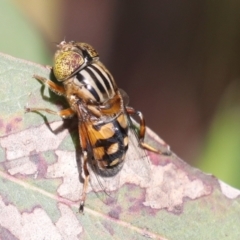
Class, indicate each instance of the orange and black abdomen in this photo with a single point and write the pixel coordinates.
(109, 142)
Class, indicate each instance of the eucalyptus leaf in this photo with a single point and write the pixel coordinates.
(162, 198)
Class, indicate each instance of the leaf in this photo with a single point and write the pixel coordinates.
(220, 154)
(40, 187)
(18, 35)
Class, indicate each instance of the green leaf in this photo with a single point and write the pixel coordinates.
(40, 189)
(18, 35)
(221, 151)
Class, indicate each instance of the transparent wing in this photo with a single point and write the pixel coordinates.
(137, 166)
(125, 97)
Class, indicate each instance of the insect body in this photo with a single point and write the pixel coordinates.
(92, 94)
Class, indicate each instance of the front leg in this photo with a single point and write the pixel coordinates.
(65, 113)
(52, 86)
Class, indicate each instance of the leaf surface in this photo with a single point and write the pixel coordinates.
(40, 188)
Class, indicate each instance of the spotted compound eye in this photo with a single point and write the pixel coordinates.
(91, 51)
(66, 64)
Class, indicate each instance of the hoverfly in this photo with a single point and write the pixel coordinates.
(103, 117)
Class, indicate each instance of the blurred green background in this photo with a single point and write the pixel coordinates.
(177, 60)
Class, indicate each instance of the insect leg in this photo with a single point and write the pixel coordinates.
(65, 113)
(53, 86)
(142, 124)
(85, 183)
(142, 131)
